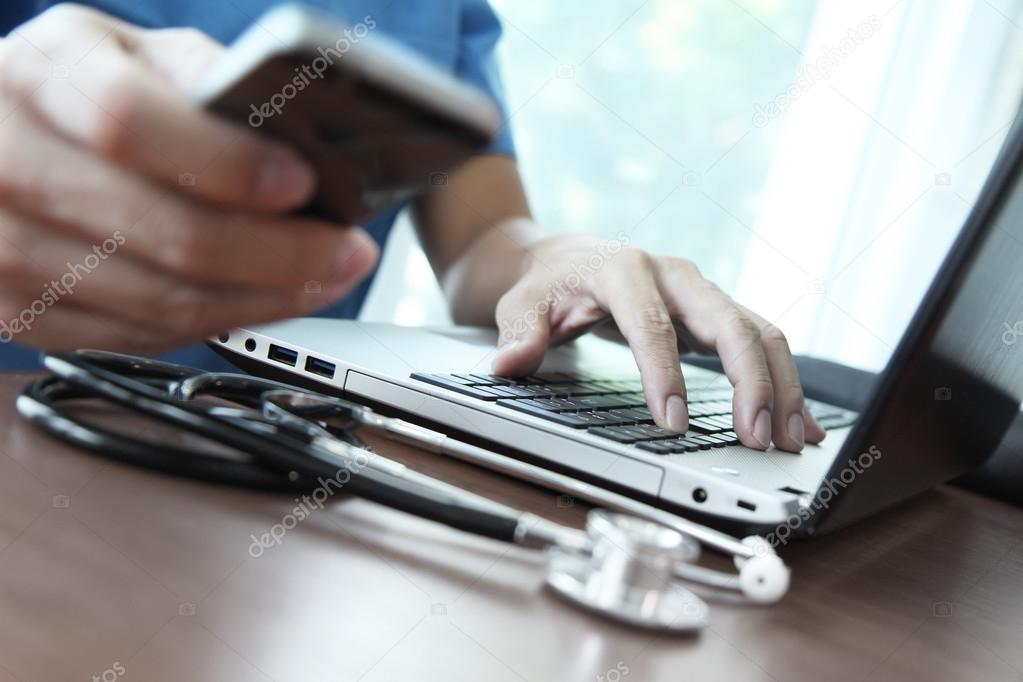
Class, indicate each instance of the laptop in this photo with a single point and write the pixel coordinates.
(948, 395)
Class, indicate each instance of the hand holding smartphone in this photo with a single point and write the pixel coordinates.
(377, 123)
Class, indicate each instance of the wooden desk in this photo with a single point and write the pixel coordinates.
(113, 573)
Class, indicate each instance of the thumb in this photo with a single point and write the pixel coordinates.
(523, 320)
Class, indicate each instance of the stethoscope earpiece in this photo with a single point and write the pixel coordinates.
(763, 577)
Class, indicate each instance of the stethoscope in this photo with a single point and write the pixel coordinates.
(628, 565)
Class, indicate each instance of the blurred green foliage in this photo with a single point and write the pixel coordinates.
(637, 116)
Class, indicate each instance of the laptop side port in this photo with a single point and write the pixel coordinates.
(285, 356)
(320, 367)
(748, 506)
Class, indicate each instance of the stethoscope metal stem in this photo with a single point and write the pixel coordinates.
(531, 531)
(442, 444)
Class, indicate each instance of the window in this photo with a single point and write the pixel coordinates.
(814, 158)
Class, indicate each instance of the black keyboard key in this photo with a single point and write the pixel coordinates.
(572, 390)
(635, 414)
(729, 437)
(709, 394)
(445, 381)
(532, 390)
(496, 390)
(528, 406)
(619, 434)
(599, 402)
(705, 425)
(514, 391)
(604, 419)
(702, 441)
(553, 378)
(710, 407)
(654, 432)
(657, 447)
(488, 379)
(559, 404)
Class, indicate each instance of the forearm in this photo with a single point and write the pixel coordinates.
(477, 231)
(492, 264)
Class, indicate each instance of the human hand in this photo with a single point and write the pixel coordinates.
(130, 219)
(662, 306)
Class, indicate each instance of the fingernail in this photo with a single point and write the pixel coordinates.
(675, 414)
(290, 179)
(797, 429)
(762, 428)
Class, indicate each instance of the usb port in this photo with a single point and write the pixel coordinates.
(285, 356)
(320, 367)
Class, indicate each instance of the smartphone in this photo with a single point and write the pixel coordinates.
(378, 123)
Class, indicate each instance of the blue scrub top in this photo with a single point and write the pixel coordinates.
(458, 36)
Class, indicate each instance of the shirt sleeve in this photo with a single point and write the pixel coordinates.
(477, 64)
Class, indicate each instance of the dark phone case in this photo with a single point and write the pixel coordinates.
(371, 148)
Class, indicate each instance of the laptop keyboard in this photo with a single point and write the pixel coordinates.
(616, 409)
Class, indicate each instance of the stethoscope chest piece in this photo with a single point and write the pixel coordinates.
(629, 574)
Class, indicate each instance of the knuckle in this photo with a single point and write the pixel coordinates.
(632, 258)
(66, 14)
(21, 69)
(773, 336)
(653, 319)
(60, 24)
(119, 105)
(683, 266)
(744, 326)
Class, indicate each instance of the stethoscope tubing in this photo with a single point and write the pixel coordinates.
(271, 449)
